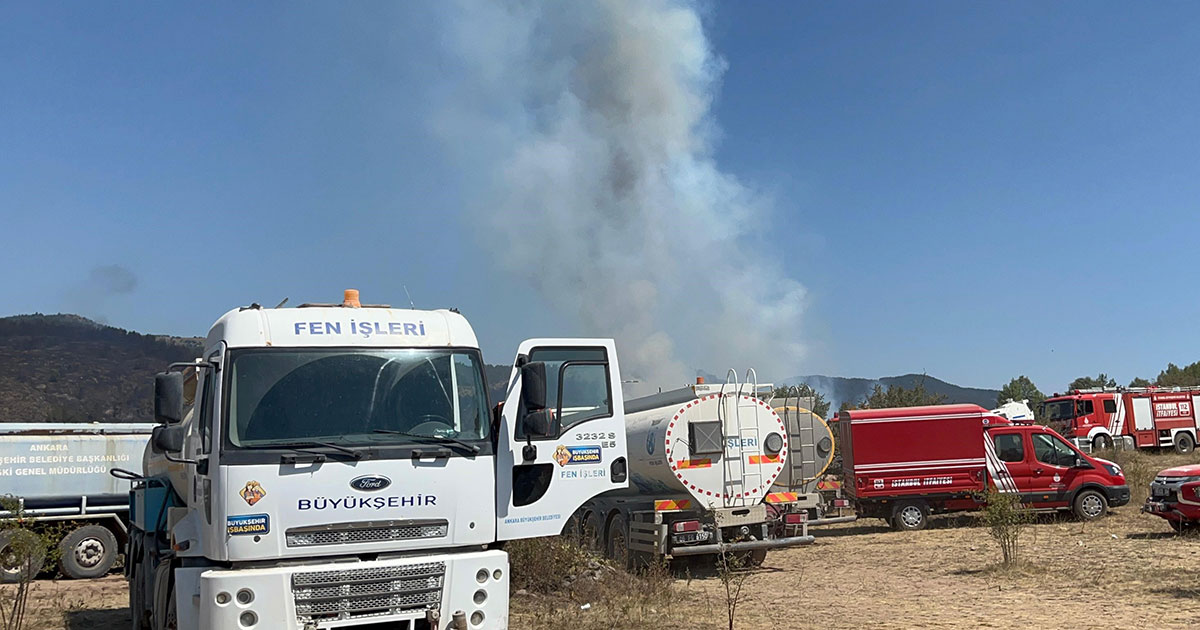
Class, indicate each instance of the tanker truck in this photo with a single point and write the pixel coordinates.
(57, 482)
(342, 466)
(703, 460)
(803, 495)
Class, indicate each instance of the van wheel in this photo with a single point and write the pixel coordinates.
(21, 555)
(87, 552)
(1101, 442)
(1184, 443)
(910, 516)
(1090, 505)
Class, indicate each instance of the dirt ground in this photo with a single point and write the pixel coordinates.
(1127, 570)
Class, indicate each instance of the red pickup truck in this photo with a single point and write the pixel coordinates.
(903, 464)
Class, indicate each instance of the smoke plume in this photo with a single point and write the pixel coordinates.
(590, 129)
(104, 283)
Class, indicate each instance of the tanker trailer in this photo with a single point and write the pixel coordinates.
(56, 481)
(803, 494)
(702, 459)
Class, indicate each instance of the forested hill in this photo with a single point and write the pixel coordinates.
(66, 368)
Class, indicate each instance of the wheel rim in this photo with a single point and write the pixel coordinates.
(9, 564)
(89, 552)
(1092, 505)
(911, 516)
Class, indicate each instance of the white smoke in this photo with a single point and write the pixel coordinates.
(589, 126)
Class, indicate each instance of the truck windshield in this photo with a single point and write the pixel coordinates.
(355, 397)
(1058, 410)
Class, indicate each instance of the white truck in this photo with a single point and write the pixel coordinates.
(55, 479)
(704, 461)
(341, 467)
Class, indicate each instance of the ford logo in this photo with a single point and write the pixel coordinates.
(370, 483)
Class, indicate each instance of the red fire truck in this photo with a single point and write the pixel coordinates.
(903, 464)
(1175, 496)
(1130, 417)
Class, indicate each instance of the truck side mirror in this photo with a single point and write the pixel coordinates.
(541, 423)
(533, 386)
(168, 397)
(167, 439)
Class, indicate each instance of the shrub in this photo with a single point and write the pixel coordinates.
(1006, 518)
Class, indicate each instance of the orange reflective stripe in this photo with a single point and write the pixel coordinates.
(660, 506)
(828, 485)
(764, 459)
(782, 497)
(695, 463)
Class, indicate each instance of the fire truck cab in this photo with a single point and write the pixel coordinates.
(1133, 417)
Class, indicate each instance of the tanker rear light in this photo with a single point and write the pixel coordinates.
(795, 518)
(686, 526)
(841, 503)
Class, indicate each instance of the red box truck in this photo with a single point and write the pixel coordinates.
(903, 464)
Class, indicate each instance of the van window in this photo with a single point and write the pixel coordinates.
(1053, 451)
(1110, 406)
(1009, 447)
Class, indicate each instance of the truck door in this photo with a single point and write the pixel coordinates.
(557, 450)
(1051, 470)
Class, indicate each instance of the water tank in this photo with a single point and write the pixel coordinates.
(718, 446)
(812, 445)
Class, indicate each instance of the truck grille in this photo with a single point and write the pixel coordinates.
(355, 593)
(365, 532)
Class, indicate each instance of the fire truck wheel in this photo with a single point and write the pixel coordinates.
(1090, 505)
(21, 554)
(1184, 443)
(1101, 443)
(1180, 526)
(910, 516)
(87, 552)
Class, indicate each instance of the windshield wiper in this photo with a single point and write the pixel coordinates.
(306, 446)
(436, 439)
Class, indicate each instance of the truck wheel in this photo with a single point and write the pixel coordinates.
(87, 552)
(21, 555)
(1101, 442)
(1184, 443)
(1090, 505)
(910, 516)
(1180, 526)
(617, 545)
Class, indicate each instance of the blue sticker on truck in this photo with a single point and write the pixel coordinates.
(577, 455)
(247, 524)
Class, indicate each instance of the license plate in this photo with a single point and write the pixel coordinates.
(1160, 491)
(687, 538)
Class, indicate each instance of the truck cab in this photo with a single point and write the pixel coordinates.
(344, 466)
(1051, 474)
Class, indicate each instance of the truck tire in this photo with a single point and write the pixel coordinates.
(1184, 443)
(617, 542)
(87, 552)
(1101, 442)
(910, 516)
(1089, 505)
(14, 568)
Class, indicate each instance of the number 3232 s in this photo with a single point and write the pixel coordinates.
(595, 436)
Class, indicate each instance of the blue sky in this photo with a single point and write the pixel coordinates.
(974, 190)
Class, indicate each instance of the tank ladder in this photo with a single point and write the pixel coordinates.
(750, 440)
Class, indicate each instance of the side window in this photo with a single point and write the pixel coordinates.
(577, 384)
(1110, 406)
(1009, 447)
(1051, 451)
(206, 409)
(1088, 408)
